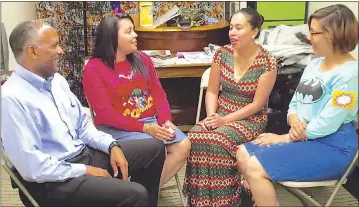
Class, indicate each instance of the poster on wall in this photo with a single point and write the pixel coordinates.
(129, 7)
(211, 9)
(116, 7)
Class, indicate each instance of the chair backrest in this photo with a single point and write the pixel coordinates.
(205, 78)
(7, 166)
(203, 85)
(3, 158)
(92, 112)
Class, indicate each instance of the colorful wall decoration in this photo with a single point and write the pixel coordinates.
(76, 24)
(68, 19)
(211, 8)
(129, 7)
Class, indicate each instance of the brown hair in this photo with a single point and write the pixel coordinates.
(340, 22)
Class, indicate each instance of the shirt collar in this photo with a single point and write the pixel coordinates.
(35, 80)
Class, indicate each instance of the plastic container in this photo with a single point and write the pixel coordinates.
(146, 13)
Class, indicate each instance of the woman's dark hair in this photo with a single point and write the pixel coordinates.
(254, 18)
(106, 43)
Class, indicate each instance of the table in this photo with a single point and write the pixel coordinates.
(182, 70)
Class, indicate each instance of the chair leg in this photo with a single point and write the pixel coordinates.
(20, 185)
(199, 105)
(179, 189)
(301, 196)
(331, 198)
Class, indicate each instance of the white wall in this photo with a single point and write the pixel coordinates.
(312, 6)
(13, 13)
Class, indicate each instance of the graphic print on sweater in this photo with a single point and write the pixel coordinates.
(138, 102)
(310, 91)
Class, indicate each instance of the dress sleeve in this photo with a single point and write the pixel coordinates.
(217, 56)
(272, 63)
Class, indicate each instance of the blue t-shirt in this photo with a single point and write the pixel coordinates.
(326, 100)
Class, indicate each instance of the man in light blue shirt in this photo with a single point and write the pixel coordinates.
(63, 159)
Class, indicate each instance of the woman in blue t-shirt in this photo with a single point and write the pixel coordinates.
(322, 140)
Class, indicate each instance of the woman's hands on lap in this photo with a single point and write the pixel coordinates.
(159, 132)
(297, 131)
(171, 128)
(214, 121)
(267, 139)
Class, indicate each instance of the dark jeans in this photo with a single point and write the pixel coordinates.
(145, 161)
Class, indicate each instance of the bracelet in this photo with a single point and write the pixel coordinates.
(146, 127)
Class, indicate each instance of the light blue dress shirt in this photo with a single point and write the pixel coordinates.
(42, 125)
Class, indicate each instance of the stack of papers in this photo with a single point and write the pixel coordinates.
(211, 49)
(162, 54)
(197, 57)
(157, 62)
(169, 15)
(186, 58)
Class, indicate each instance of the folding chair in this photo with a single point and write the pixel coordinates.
(5, 163)
(294, 187)
(178, 183)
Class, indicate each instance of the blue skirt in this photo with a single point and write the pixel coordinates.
(319, 159)
(121, 135)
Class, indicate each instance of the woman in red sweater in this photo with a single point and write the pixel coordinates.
(123, 89)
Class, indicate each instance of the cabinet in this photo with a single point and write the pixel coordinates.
(175, 39)
(276, 13)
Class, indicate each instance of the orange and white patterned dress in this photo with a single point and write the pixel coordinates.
(212, 177)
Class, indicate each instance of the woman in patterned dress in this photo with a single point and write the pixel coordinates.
(247, 73)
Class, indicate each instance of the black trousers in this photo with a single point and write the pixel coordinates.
(145, 162)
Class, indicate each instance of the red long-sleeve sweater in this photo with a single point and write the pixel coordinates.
(119, 100)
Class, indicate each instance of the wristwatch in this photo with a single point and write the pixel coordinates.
(114, 144)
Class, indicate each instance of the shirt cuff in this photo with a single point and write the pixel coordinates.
(105, 143)
(77, 170)
(288, 114)
(309, 135)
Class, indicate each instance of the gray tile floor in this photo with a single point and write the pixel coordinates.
(170, 196)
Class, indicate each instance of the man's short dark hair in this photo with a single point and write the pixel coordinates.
(21, 34)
